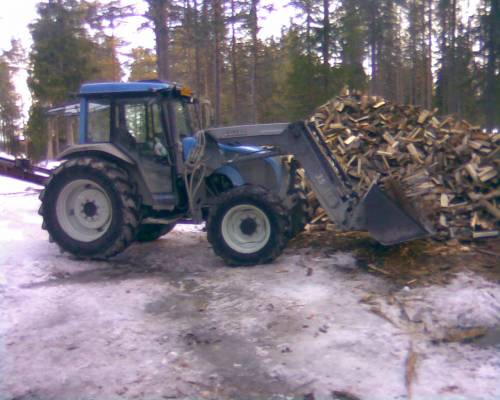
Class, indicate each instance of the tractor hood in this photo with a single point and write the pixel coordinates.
(229, 151)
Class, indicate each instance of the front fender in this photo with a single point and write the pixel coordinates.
(232, 174)
(265, 171)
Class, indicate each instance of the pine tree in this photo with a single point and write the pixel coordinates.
(159, 14)
(271, 84)
(104, 18)
(62, 53)
(308, 10)
(108, 66)
(218, 46)
(455, 79)
(446, 90)
(254, 45)
(143, 64)
(489, 18)
(233, 20)
(10, 112)
(352, 36)
(390, 51)
(61, 59)
(416, 51)
(304, 87)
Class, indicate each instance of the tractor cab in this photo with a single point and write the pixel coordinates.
(139, 123)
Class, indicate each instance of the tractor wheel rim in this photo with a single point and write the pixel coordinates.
(84, 210)
(246, 228)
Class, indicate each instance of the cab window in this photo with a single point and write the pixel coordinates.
(138, 125)
(138, 118)
(136, 122)
(98, 121)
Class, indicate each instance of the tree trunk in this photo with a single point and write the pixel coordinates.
(452, 92)
(325, 45)
(197, 50)
(413, 51)
(308, 30)
(395, 49)
(234, 66)
(207, 34)
(428, 68)
(253, 78)
(218, 37)
(373, 43)
(492, 44)
(158, 10)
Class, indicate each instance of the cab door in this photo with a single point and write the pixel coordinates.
(138, 129)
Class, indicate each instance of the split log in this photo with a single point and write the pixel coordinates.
(449, 168)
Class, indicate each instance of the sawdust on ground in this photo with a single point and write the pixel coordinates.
(416, 263)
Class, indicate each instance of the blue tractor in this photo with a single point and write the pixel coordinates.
(144, 162)
(130, 179)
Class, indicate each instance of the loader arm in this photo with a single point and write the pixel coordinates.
(298, 139)
(375, 212)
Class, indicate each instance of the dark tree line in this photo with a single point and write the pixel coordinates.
(10, 113)
(423, 52)
(73, 42)
(433, 53)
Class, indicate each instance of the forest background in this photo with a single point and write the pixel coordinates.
(441, 54)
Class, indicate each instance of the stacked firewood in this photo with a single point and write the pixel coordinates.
(448, 168)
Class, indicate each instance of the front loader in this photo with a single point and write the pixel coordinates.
(143, 164)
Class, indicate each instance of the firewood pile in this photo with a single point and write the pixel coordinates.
(447, 167)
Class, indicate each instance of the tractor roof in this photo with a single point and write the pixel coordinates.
(125, 87)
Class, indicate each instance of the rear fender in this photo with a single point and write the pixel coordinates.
(102, 149)
(108, 152)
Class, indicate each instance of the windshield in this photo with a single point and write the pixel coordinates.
(180, 118)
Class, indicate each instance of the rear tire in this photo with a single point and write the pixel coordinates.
(90, 208)
(151, 232)
(248, 226)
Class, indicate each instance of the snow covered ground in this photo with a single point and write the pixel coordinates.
(169, 320)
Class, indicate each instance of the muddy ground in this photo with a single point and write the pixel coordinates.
(335, 317)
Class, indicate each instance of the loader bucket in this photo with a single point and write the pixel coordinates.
(389, 221)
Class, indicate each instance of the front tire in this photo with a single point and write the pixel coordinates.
(90, 208)
(248, 226)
